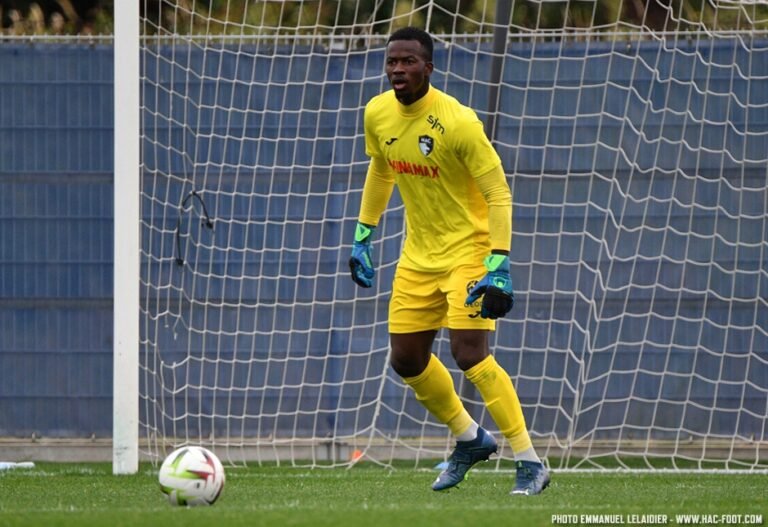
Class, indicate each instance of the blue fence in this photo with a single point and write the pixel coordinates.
(639, 244)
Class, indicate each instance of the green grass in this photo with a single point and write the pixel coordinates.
(88, 494)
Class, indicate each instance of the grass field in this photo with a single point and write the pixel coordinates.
(88, 494)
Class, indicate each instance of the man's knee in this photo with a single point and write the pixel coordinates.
(469, 347)
(410, 352)
(406, 366)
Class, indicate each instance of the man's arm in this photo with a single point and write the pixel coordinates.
(494, 188)
(379, 183)
(496, 286)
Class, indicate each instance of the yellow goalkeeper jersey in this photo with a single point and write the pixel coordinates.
(435, 147)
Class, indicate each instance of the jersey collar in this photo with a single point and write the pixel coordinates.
(417, 108)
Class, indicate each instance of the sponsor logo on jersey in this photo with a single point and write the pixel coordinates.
(435, 123)
(426, 144)
(476, 304)
(388, 143)
(415, 169)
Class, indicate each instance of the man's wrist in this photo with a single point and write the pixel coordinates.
(363, 232)
(493, 262)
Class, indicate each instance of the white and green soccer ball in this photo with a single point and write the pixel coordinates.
(192, 475)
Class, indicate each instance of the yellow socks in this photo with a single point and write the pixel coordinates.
(502, 402)
(434, 389)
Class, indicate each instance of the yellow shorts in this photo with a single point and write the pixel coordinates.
(422, 301)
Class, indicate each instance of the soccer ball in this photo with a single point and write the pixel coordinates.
(192, 475)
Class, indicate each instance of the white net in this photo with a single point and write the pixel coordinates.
(635, 140)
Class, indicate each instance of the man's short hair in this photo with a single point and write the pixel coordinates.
(414, 33)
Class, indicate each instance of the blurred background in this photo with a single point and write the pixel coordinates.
(94, 17)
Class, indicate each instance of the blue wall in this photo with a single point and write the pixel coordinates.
(655, 286)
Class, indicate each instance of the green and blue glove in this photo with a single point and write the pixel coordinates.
(360, 263)
(495, 288)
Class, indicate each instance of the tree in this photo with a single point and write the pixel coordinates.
(252, 17)
(70, 17)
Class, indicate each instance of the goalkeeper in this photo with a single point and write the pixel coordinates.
(454, 268)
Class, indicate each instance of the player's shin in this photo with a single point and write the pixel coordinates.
(501, 399)
(434, 389)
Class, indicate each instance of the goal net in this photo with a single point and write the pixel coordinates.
(634, 136)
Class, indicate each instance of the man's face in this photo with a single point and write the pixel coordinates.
(407, 70)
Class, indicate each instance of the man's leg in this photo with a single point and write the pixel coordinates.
(416, 309)
(433, 385)
(430, 380)
(470, 350)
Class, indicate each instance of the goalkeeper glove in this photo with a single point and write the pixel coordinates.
(360, 263)
(495, 288)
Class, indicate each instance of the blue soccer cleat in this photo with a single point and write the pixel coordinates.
(464, 456)
(532, 478)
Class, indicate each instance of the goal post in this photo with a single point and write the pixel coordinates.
(635, 144)
(127, 254)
